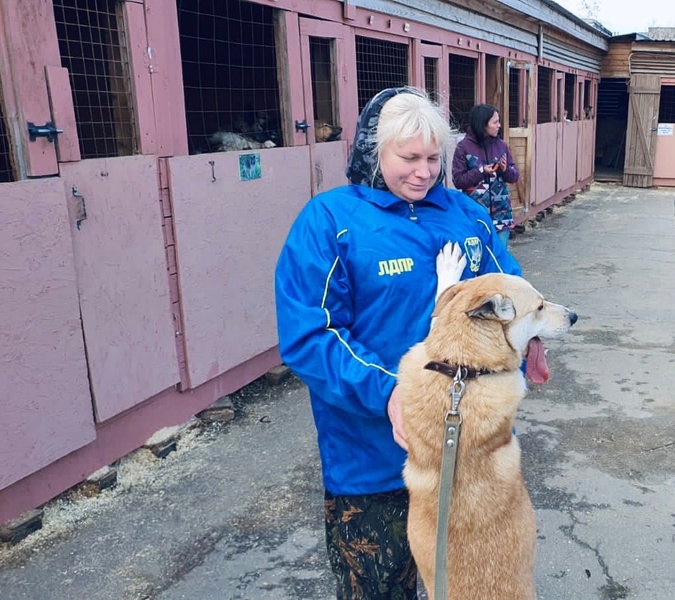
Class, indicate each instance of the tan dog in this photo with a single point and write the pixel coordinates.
(325, 132)
(488, 323)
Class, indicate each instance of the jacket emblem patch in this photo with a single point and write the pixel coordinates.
(474, 253)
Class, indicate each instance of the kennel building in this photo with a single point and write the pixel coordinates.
(153, 155)
(636, 109)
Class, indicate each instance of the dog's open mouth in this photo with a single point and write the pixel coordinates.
(536, 367)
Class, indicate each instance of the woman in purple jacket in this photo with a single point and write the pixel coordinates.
(483, 165)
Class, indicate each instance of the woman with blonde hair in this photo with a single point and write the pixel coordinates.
(355, 287)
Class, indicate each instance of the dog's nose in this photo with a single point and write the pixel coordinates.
(573, 317)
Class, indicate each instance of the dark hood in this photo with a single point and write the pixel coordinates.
(362, 164)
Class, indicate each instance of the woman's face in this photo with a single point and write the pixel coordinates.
(410, 168)
(493, 125)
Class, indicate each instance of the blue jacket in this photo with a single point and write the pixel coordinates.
(355, 286)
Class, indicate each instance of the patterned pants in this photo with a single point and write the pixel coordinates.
(368, 546)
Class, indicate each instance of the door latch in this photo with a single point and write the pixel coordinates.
(302, 125)
(47, 130)
(81, 212)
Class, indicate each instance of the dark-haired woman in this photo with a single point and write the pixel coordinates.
(482, 166)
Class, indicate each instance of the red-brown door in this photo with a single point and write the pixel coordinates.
(329, 99)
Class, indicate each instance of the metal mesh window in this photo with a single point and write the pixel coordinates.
(323, 80)
(92, 44)
(229, 74)
(667, 104)
(544, 95)
(431, 77)
(568, 114)
(514, 98)
(6, 170)
(588, 100)
(462, 78)
(379, 64)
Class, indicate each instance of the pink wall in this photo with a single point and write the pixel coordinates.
(46, 408)
(546, 150)
(568, 132)
(664, 165)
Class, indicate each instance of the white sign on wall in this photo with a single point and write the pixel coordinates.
(665, 129)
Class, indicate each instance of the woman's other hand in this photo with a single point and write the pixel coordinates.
(490, 169)
(395, 412)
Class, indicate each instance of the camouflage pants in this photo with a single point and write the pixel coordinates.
(368, 546)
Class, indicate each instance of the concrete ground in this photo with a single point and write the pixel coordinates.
(235, 512)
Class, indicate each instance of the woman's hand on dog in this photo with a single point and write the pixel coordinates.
(394, 410)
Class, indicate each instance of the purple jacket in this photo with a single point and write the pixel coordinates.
(491, 192)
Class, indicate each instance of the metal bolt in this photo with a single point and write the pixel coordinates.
(451, 430)
(451, 443)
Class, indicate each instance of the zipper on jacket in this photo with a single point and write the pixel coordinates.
(413, 216)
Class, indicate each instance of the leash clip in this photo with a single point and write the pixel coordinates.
(457, 388)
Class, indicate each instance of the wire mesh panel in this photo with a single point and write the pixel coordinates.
(514, 98)
(7, 173)
(380, 64)
(229, 75)
(544, 95)
(92, 44)
(568, 113)
(431, 78)
(667, 104)
(462, 79)
(587, 108)
(324, 95)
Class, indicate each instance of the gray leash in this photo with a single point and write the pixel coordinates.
(453, 422)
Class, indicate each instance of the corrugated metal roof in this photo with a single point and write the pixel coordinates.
(662, 34)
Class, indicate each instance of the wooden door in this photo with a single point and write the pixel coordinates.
(518, 130)
(430, 71)
(122, 279)
(28, 33)
(229, 232)
(643, 111)
(325, 60)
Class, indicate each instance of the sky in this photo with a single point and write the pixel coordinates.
(625, 16)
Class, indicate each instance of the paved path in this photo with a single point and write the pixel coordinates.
(235, 513)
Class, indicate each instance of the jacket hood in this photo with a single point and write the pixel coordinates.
(362, 168)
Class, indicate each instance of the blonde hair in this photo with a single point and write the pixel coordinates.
(408, 115)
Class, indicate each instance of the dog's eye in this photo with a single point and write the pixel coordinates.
(541, 306)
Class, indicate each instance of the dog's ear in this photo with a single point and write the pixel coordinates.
(497, 307)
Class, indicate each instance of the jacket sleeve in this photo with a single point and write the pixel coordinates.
(464, 177)
(314, 311)
(511, 174)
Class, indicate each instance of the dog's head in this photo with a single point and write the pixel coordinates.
(493, 322)
(325, 132)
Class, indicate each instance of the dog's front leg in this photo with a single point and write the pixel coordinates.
(450, 263)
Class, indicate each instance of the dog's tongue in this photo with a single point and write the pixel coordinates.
(536, 368)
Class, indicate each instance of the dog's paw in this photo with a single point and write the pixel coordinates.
(450, 264)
